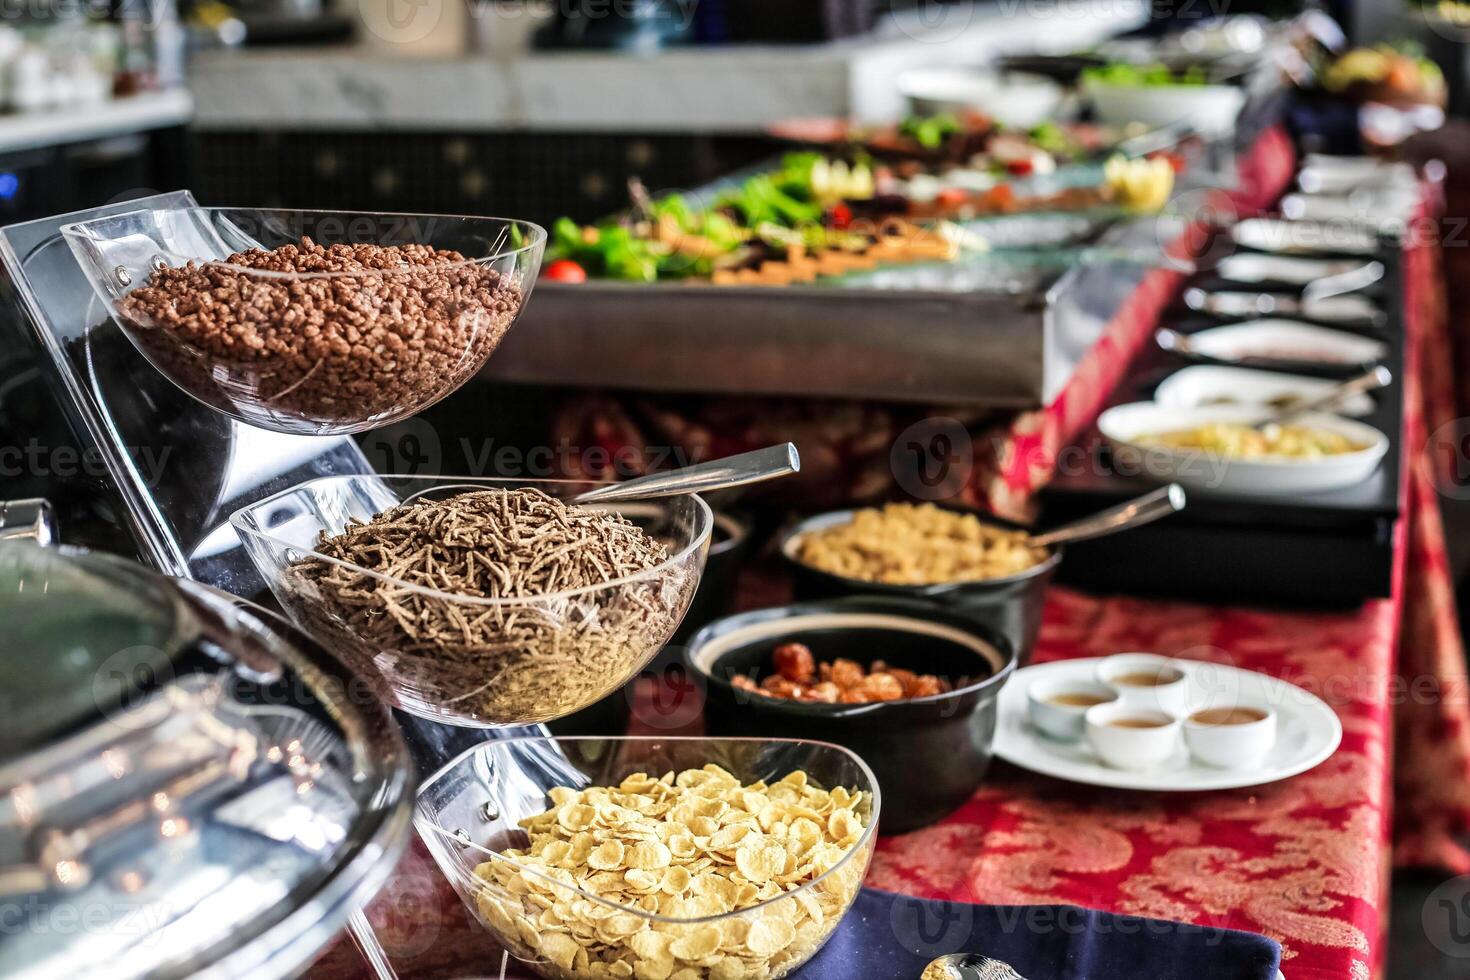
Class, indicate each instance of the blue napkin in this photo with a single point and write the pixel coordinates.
(893, 937)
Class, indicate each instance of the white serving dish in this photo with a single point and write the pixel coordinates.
(1210, 109)
(1322, 174)
(1295, 270)
(1064, 721)
(1016, 99)
(1386, 210)
(1199, 471)
(1283, 237)
(1135, 749)
(1308, 732)
(1259, 338)
(1203, 385)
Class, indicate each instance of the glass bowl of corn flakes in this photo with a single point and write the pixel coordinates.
(975, 565)
(654, 858)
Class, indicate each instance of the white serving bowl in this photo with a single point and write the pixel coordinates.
(1212, 473)
(1171, 695)
(1296, 270)
(1135, 749)
(1210, 109)
(1242, 746)
(1015, 99)
(1206, 385)
(1280, 236)
(1063, 722)
(1260, 338)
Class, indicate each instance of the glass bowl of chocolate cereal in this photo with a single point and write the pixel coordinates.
(481, 602)
(311, 322)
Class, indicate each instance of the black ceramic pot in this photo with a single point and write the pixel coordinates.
(1009, 606)
(929, 754)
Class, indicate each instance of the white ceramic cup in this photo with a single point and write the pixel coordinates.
(1242, 745)
(1063, 722)
(1172, 696)
(1136, 749)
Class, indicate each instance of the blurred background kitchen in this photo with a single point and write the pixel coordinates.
(533, 107)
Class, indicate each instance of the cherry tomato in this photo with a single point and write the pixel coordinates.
(1176, 160)
(565, 270)
(841, 215)
(1001, 196)
(1021, 168)
(952, 197)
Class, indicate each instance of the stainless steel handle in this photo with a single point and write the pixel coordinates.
(717, 474)
(33, 520)
(1379, 377)
(1138, 511)
(1344, 282)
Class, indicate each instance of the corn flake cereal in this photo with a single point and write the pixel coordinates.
(692, 845)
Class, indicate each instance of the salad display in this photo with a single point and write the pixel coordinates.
(1127, 75)
(816, 217)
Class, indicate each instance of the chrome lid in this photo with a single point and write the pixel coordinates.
(187, 787)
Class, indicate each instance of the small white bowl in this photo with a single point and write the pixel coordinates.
(1136, 749)
(1170, 697)
(1254, 337)
(1016, 99)
(1209, 385)
(1296, 270)
(1063, 722)
(1242, 745)
(1211, 473)
(1210, 109)
(1278, 236)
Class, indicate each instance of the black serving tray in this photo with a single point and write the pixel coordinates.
(1326, 549)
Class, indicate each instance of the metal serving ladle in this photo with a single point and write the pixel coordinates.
(1142, 510)
(718, 474)
(969, 966)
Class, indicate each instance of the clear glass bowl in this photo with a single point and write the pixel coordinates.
(469, 812)
(313, 352)
(567, 649)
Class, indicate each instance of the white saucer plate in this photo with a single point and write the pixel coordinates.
(1309, 732)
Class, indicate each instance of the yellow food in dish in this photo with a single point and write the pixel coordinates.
(1243, 442)
(917, 544)
(674, 864)
(1141, 184)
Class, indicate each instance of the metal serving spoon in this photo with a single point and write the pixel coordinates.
(969, 966)
(1142, 510)
(717, 474)
(1371, 380)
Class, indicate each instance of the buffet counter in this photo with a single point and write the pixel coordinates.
(1300, 861)
(732, 89)
(131, 114)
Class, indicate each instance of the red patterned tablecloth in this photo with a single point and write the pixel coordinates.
(1304, 861)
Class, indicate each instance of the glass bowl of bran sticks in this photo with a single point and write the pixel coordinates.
(478, 601)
